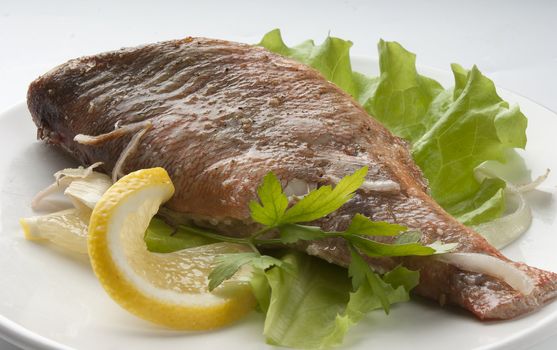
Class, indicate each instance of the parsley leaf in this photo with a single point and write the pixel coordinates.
(411, 236)
(291, 233)
(377, 249)
(325, 200)
(363, 225)
(273, 202)
(229, 264)
(357, 269)
(363, 277)
(396, 285)
(441, 248)
(272, 212)
(401, 276)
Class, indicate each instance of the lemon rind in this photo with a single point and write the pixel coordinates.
(126, 294)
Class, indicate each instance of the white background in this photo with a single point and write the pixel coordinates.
(513, 42)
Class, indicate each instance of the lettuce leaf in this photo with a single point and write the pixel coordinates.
(402, 97)
(331, 58)
(305, 310)
(451, 131)
(162, 238)
(304, 304)
(478, 126)
(396, 283)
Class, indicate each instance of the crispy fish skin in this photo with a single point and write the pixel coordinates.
(223, 114)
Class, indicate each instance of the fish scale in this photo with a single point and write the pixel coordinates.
(224, 114)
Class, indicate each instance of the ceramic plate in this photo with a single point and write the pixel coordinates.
(49, 299)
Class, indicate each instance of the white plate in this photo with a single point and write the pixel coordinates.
(48, 298)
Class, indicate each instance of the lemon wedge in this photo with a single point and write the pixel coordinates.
(66, 229)
(167, 289)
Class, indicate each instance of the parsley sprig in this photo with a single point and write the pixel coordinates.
(272, 211)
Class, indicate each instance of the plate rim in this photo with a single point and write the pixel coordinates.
(20, 336)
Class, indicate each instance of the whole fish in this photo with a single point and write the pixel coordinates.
(219, 115)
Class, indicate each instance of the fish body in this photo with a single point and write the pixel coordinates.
(219, 115)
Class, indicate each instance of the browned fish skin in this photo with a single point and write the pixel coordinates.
(224, 114)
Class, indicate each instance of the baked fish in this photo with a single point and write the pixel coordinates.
(219, 115)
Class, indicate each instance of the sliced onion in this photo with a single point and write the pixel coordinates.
(63, 179)
(298, 187)
(507, 229)
(140, 128)
(380, 186)
(85, 193)
(42, 194)
(374, 186)
(75, 173)
(491, 266)
(68, 228)
(534, 184)
(118, 132)
(132, 145)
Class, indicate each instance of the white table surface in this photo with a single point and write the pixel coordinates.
(513, 42)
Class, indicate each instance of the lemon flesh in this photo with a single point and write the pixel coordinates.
(167, 289)
(67, 229)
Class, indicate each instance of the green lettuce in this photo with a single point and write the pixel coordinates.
(304, 309)
(162, 238)
(451, 131)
